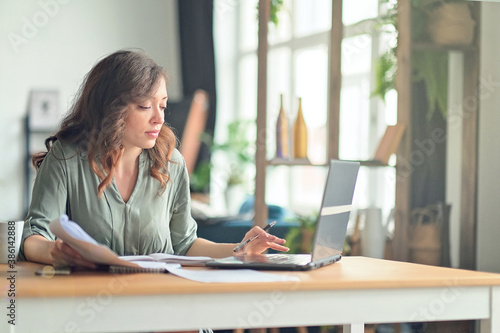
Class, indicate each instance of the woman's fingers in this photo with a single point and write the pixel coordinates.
(278, 247)
(263, 242)
(64, 255)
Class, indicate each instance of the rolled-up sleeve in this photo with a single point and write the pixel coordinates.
(49, 197)
(182, 225)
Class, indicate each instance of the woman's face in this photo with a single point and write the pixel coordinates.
(145, 120)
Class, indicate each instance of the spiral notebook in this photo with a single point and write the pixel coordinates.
(142, 267)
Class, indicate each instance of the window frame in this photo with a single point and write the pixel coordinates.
(377, 122)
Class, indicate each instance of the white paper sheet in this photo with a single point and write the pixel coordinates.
(230, 275)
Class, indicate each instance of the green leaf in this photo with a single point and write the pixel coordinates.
(385, 73)
(200, 177)
(276, 6)
(431, 67)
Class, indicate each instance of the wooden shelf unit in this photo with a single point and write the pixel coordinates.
(468, 217)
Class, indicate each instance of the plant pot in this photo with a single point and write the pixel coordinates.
(451, 24)
(306, 242)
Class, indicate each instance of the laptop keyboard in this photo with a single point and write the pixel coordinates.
(299, 259)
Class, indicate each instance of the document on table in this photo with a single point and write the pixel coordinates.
(229, 275)
(78, 239)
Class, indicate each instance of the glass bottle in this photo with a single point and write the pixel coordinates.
(300, 135)
(282, 137)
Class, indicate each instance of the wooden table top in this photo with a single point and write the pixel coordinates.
(349, 273)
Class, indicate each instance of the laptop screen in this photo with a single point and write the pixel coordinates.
(333, 218)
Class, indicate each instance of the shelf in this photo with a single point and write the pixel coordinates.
(428, 46)
(306, 162)
(374, 163)
(297, 162)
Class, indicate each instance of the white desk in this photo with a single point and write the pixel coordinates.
(352, 292)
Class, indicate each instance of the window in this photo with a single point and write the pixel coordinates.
(298, 67)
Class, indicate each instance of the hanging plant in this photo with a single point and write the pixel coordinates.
(428, 66)
(431, 67)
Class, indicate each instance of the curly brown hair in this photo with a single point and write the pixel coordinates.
(96, 121)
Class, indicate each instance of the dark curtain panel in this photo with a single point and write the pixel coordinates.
(428, 154)
(197, 56)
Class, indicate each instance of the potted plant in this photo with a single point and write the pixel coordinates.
(200, 177)
(429, 65)
(238, 150)
(299, 239)
(233, 158)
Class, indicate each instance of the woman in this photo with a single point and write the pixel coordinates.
(113, 168)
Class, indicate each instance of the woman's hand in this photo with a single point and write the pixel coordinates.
(63, 255)
(263, 242)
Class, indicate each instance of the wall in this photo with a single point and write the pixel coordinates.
(52, 44)
(488, 246)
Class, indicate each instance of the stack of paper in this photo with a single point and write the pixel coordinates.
(169, 258)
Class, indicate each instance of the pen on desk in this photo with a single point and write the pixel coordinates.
(266, 228)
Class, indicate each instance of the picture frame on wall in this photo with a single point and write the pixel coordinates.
(43, 109)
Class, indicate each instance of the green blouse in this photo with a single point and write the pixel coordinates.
(148, 223)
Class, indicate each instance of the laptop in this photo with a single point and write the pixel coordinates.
(330, 232)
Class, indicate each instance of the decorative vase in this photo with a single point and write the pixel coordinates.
(282, 135)
(300, 135)
(373, 234)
